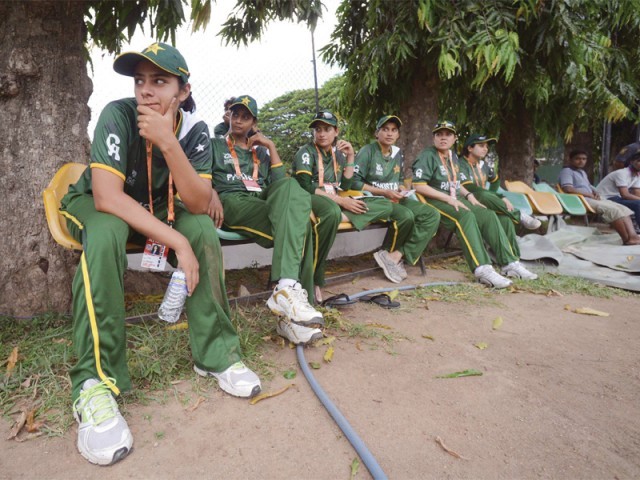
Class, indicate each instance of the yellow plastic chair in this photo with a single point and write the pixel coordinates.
(543, 203)
(68, 174)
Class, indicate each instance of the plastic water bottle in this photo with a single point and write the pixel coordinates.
(174, 298)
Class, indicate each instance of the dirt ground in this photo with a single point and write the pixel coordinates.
(558, 398)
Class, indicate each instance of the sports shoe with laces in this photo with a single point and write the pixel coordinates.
(529, 222)
(236, 380)
(487, 275)
(390, 268)
(517, 270)
(293, 304)
(103, 434)
(297, 334)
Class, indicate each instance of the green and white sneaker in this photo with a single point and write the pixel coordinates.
(104, 437)
(237, 380)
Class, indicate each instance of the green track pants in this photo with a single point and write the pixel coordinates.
(98, 295)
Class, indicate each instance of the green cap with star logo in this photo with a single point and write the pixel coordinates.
(246, 101)
(388, 118)
(445, 125)
(163, 56)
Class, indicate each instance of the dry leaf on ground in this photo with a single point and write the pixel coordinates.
(328, 355)
(448, 450)
(262, 396)
(497, 323)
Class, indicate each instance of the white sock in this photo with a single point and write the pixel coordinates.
(286, 282)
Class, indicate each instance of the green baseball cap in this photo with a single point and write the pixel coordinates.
(478, 138)
(248, 102)
(444, 125)
(324, 117)
(388, 118)
(163, 56)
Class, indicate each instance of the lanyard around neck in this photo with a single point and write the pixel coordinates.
(236, 162)
(453, 170)
(321, 166)
(171, 215)
(480, 180)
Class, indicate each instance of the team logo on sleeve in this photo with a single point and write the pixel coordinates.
(418, 173)
(200, 148)
(306, 160)
(113, 150)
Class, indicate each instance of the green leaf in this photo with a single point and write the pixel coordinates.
(314, 365)
(289, 374)
(463, 373)
(355, 465)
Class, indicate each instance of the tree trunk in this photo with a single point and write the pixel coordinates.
(419, 113)
(516, 146)
(44, 91)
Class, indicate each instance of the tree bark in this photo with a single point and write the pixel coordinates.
(516, 146)
(418, 114)
(44, 91)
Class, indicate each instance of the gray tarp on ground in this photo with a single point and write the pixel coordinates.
(584, 252)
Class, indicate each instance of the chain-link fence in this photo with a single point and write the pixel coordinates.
(281, 62)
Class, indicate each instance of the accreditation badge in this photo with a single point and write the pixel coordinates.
(329, 188)
(251, 185)
(154, 256)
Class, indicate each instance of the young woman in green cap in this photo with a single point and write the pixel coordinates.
(379, 170)
(478, 172)
(324, 168)
(145, 150)
(257, 199)
(437, 176)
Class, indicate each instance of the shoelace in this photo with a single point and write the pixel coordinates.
(97, 403)
(301, 295)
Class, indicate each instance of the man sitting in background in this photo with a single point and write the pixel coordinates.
(573, 179)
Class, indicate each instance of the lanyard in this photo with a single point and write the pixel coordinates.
(171, 215)
(453, 170)
(480, 179)
(321, 166)
(236, 163)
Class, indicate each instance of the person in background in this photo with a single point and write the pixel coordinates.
(573, 179)
(479, 173)
(253, 195)
(623, 186)
(536, 177)
(379, 170)
(324, 168)
(144, 149)
(437, 176)
(221, 129)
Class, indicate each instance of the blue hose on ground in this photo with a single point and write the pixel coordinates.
(356, 442)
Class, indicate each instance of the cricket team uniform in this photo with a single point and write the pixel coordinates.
(477, 176)
(413, 224)
(98, 289)
(327, 212)
(277, 216)
(473, 225)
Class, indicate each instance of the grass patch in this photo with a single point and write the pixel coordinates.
(461, 293)
(549, 282)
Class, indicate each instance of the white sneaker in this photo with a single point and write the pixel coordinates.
(529, 222)
(487, 275)
(103, 434)
(297, 334)
(390, 268)
(517, 270)
(293, 304)
(236, 380)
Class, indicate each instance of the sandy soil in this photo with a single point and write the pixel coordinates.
(558, 399)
